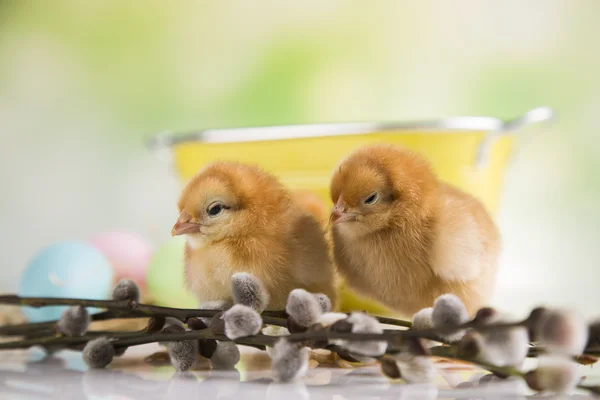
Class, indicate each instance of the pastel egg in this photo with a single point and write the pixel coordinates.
(70, 269)
(165, 278)
(128, 253)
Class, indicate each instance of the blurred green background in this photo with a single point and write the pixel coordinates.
(84, 84)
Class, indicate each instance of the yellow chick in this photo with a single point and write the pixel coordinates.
(240, 219)
(403, 238)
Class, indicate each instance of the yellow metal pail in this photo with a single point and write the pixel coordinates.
(468, 152)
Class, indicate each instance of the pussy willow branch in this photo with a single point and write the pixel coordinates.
(126, 339)
(22, 329)
(510, 371)
(452, 352)
(117, 309)
(395, 322)
(448, 352)
(132, 309)
(123, 340)
(206, 334)
(393, 336)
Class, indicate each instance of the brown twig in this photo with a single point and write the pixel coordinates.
(394, 322)
(126, 339)
(116, 309)
(202, 334)
(132, 309)
(452, 352)
(312, 338)
(23, 329)
(395, 337)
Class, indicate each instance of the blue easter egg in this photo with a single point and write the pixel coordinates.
(67, 269)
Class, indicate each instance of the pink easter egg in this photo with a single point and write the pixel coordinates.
(128, 253)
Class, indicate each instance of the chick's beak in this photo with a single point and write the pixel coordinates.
(340, 213)
(185, 225)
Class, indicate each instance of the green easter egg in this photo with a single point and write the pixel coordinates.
(165, 277)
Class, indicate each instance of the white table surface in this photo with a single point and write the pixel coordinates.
(31, 375)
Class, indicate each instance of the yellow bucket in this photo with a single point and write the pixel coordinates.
(468, 152)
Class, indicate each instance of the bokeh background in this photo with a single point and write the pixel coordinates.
(83, 85)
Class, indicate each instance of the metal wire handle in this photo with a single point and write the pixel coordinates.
(531, 117)
(162, 143)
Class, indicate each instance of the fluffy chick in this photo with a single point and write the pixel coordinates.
(403, 238)
(313, 204)
(238, 218)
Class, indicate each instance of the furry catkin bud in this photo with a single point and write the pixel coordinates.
(500, 347)
(248, 290)
(415, 346)
(471, 345)
(422, 320)
(324, 302)
(449, 310)
(363, 323)
(225, 356)
(98, 353)
(170, 321)
(155, 324)
(290, 361)
(486, 315)
(593, 334)
(241, 321)
(562, 331)
(341, 326)
(303, 307)
(505, 347)
(119, 351)
(172, 325)
(217, 324)
(330, 318)
(183, 354)
(346, 356)
(294, 327)
(488, 378)
(74, 321)
(196, 324)
(213, 305)
(126, 289)
(389, 367)
(553, 374)
(272, 330)
(173, 329)
(207, 347)
(535, 317)
(417, 369)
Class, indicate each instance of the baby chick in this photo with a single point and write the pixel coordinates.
(238, 218)
(313, 204)
(404, 238)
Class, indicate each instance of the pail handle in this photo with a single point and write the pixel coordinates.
(534, 116)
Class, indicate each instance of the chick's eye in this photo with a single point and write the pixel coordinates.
(371, 199)
(215, 209)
